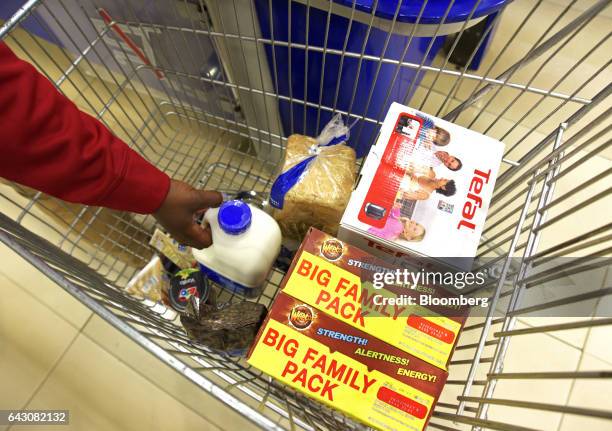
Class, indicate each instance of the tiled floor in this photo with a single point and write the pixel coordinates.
(55, 354)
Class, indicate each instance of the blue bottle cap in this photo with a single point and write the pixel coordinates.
(234, 217)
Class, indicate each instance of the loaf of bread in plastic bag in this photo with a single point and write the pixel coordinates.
(320, 196)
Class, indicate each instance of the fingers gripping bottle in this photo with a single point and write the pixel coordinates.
(246, 241)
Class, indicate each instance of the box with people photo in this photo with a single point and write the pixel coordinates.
(423, 191)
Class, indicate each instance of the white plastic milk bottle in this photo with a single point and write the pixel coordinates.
(246, 241)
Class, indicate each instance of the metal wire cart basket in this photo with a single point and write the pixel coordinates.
(209, 90)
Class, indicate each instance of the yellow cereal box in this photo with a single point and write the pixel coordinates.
(336, 278)
(345, 368)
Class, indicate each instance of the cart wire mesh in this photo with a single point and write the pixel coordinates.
(195, 86)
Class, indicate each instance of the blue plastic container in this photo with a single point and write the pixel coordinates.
(357, 78)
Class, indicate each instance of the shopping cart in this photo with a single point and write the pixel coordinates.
(170, 80)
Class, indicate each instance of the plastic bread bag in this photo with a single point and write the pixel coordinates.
(316, 181)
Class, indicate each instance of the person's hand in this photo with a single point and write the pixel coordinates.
(180, 210)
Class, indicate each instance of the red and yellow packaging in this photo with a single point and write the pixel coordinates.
(343, 367)
(337, 278)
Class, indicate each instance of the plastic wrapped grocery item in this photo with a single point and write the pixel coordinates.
(150, 281)
(179, 254)
(316, 181)
(229, 328)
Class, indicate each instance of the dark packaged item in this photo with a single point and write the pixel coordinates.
(230, 329)
(185, 284)
(169, 270)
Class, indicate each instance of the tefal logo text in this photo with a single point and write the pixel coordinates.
(474, 201)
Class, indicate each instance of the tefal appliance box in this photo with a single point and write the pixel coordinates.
(345, 282)
(345, 368)
(423, 191)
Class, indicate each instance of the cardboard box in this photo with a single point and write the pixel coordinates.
(345, 368)
(424, 190)
(338, 279)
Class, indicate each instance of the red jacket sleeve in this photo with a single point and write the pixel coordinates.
(48, 144)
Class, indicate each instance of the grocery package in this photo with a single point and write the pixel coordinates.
(179, 254)
(185, 284)
(229, 328)
(338, 279)
(316, 181)
(150, 281)
(343, 367)
(424, 190)
(246, 242)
